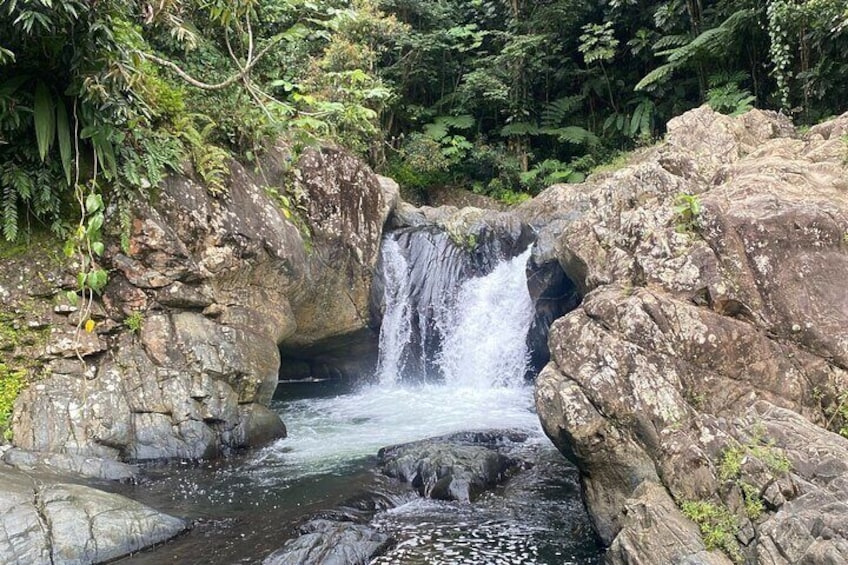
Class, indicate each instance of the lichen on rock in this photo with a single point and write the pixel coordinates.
(684, 343)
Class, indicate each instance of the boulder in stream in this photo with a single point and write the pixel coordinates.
(43, 521)
(458, 467)
(329, 542)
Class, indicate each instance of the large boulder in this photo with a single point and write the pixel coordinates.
(703, 376)
(456, 467)
(330, 542)
(203, 296)
(43, 522)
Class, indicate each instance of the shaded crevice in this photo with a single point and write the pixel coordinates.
(348, 358)
(554, 295)
(41, 511)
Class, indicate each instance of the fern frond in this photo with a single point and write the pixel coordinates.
(671, 42)
(574, 135)
(555, 113)
(10, 213)
(461, 122)
(210, 162)
(520, 128)
(658, 75)
(436, 130)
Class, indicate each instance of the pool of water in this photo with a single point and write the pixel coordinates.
(246, 506)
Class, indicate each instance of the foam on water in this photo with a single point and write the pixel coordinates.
(482, 362)
(325, 433)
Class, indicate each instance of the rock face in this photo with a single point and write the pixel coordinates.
(45, 522)
(709, 357)
(185, 354)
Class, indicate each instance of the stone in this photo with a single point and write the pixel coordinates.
(218, 284)
(258, 426)
(326, 542)
(448, 468)
(93, 467)
(43, 521)
(654, 531)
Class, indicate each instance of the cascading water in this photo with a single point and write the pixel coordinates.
(471, 333)
(485, 333)
(396, 330)
(443, 323)
(452, 358)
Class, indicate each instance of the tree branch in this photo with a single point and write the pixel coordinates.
(243, 72)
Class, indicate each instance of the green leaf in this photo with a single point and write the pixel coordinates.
(63, 130)
(93, 203)
(44, 118)
(98, 247)
(94, 224)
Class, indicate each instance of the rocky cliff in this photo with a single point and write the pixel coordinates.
(701, 384)
(186, 347)
(216, 286)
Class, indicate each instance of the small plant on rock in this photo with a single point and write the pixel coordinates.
(134, 321)
(11, 383)
(688, 210)
(717, 524)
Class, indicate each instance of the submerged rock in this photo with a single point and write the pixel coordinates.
(43, 521)
(328, 542)
(710, 350)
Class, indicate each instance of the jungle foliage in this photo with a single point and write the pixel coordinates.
(503, 96)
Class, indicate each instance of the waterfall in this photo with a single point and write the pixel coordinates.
(450, 314)
(397, 324)
(485, 333)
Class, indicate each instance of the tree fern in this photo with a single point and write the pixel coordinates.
(671, 42)
(711, 43)
(520, 128)
(657, 76)
(574, 135)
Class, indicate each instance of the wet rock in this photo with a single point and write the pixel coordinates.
(42, 521)
(98, 468)
(327, 542)
(450, 468)
(258, 426)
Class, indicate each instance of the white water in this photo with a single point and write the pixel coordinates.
(485, 333)
(397, 320)
(483, 360)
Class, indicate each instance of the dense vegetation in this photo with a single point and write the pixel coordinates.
(503, 96)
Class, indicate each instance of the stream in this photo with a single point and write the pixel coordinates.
(467, 333)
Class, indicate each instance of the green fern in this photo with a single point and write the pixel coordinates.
(575, 135)
(671, 42)
(555, 113)
(520, 128)
(711, 43)
(656, 76)
(10, 213)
